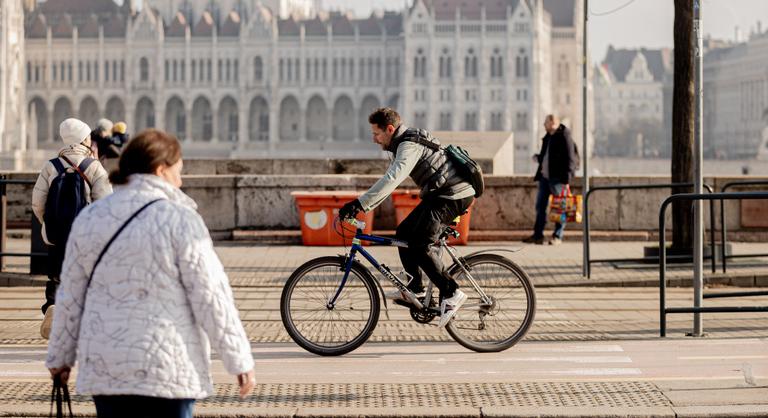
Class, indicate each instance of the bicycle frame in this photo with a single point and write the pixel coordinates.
(386, 272)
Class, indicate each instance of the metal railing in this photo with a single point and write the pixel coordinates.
(663, 310)
(4, 218)
(587, 262)
(723, 238)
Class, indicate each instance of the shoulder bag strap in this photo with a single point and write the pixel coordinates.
(79, 171)
(111, 240)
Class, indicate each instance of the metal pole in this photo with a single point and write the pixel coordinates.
(698, 224)
(3, 220)
(584, 147)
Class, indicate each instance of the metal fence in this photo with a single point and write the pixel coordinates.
(663, 310)
(723, 239)
(588, 261)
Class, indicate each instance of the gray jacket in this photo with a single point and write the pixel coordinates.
(429, 169)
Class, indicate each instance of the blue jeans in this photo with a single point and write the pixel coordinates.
(542, 205)
(124, 406)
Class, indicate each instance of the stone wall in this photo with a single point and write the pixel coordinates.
(230, 202)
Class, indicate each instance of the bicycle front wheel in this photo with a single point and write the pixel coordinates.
(323, 329)
(501, 320)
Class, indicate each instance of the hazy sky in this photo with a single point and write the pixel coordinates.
(642, 23)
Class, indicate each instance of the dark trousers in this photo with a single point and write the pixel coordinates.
(125, 406)
(546, 188)
(55, 261)
(421, 229)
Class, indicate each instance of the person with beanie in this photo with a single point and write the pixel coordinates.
(119, 138)
(77, 140)
(101, 138)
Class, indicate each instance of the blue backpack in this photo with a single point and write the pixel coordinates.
(66, 198)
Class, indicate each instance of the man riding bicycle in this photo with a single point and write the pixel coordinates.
(445, 194)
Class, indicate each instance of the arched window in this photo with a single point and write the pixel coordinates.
(420, 64)
(470, 64)
(258, 69)
(446, 63)
(144, 69)
(497, 64)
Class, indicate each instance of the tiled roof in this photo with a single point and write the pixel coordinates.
(89, 28)
(178, 27)
(79, 6)
(204, 26)
(115, 27)
(231, 26)
(472, 10)
(315, 27)
(288, 27)
(63, 29)
(342, 25)
(373, 26)
(561, 11)
(393, 23)
(619, 62)
(38, 28)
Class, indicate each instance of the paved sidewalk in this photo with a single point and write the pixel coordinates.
(618, 306)
(259, 265)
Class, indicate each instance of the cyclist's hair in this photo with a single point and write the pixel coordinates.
(384, 116)
(143, 154)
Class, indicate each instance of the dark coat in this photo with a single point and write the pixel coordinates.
(563, 157)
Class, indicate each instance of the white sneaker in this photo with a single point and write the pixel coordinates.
(396, 295)
(449, 307)
(45, 327)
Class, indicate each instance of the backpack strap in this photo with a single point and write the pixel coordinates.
(80, 169)
(57, 165)
(417, 137)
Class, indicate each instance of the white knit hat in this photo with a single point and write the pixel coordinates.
(74, 131)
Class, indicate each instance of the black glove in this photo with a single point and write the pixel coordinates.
(350, 209)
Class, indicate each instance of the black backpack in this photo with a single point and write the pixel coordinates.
(66, 198)
(468, 168)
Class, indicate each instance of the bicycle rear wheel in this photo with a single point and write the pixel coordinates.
(501, 324)
(323, 330)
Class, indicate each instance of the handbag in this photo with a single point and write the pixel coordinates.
(565, 207)
(59, 395)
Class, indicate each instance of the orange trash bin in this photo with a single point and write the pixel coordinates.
(404, 202)
(317, 211)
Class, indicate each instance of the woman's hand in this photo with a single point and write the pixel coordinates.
(246, 381)
(62, 372)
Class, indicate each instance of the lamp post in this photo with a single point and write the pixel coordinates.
(585, 130)
(698, 221)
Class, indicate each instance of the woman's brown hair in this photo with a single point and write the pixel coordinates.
(146, 152)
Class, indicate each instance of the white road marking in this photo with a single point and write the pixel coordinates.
(573, 359)
(596, 372)
(721, 357)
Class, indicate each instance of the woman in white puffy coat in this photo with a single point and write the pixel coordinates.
(140, 330)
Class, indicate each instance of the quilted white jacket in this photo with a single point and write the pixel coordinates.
(157, 297)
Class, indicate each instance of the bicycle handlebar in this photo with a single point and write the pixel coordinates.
(356, 223)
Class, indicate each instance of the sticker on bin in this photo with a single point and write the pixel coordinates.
(315, 220)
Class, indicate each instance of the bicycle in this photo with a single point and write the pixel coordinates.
(329, 313)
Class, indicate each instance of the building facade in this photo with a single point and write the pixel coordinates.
(232, 78)
(736, 99)
(629, 101)
(13, 117)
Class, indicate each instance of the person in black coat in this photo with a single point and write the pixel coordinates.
(558, 161)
